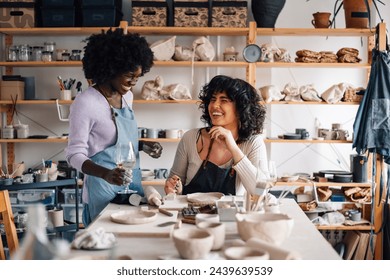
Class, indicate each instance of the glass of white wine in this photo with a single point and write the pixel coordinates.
(273, 174)
(126, 159)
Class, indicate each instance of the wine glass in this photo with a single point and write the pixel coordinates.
(273, 174)
(126, 159)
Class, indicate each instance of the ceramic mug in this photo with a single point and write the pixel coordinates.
(355, 215)
(152, 133)
(66, 94)
(321, 20)
(173, 133)
(161, 173)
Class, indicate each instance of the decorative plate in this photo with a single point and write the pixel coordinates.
(133, 217)
(251, 53)
(204, 198)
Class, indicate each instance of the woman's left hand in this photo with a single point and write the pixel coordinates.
(223, 135)
(153, 149)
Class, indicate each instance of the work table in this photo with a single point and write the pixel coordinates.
(305, 239)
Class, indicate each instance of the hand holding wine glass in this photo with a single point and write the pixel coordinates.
(126, 159)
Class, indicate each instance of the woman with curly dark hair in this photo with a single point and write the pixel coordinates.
(101, 117)
(225, 155)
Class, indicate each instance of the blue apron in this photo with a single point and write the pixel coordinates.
(100, 192)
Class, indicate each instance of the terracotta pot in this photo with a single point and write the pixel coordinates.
(321, 20)
(356, 13)
(266, 12)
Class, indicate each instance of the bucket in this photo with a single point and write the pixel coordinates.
(356, 13)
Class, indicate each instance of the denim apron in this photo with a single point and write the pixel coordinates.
(100, 192)
(212, 178)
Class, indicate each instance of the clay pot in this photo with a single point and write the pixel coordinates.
(321, 20)
(192, 243)
(217, 230)
(266, 12)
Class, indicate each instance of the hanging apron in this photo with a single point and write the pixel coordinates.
(211, 178)
(100, 192)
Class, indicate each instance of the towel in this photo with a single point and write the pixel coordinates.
(94, 240)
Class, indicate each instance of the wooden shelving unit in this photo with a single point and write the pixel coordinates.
(250, 33)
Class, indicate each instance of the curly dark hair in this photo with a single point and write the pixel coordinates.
(246, 99)
(112, 53)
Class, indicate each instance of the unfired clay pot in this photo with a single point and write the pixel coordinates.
(217, 230)
(192, 243)
(270, 227)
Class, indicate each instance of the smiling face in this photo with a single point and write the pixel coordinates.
(223, 111)
(124, 82)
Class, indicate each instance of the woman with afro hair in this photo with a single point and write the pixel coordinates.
(102, 117)
(225, 155)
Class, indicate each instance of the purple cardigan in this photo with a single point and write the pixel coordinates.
(91, 128)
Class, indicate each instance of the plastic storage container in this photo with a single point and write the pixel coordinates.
(70, 196)
(70, 212)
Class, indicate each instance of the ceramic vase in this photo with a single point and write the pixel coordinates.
(266, 12)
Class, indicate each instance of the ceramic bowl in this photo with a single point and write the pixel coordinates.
(245, 253)
(270, 227)
(192, 243)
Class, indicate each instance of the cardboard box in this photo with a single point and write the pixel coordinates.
(229, 13)
(151, 13)
(12, 89)
(17, 14)
(193, 13)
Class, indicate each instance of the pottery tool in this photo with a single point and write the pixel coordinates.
(165, 212)
(188, 221)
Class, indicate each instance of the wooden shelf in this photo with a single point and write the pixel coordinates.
(303, 141)
(342, 227)
(68, 102)
(31, 140)
(282, 102)
(323, 184)
(191, 31)
(162, 140)
(343, 32)
(157, 182)
(311, 65)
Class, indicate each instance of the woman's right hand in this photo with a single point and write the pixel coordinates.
(173, 185)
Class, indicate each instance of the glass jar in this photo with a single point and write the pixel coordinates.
(46, 56)
(65, 56)
(23, 54)
(59, 53)
(49, 46)
(12, 53)
(76, 55)
(8, 132)
(37, 53)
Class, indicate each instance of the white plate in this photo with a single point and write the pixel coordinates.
(205, 198)
(251, 53)
(133, 217)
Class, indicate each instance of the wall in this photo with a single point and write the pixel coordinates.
(289, 158)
